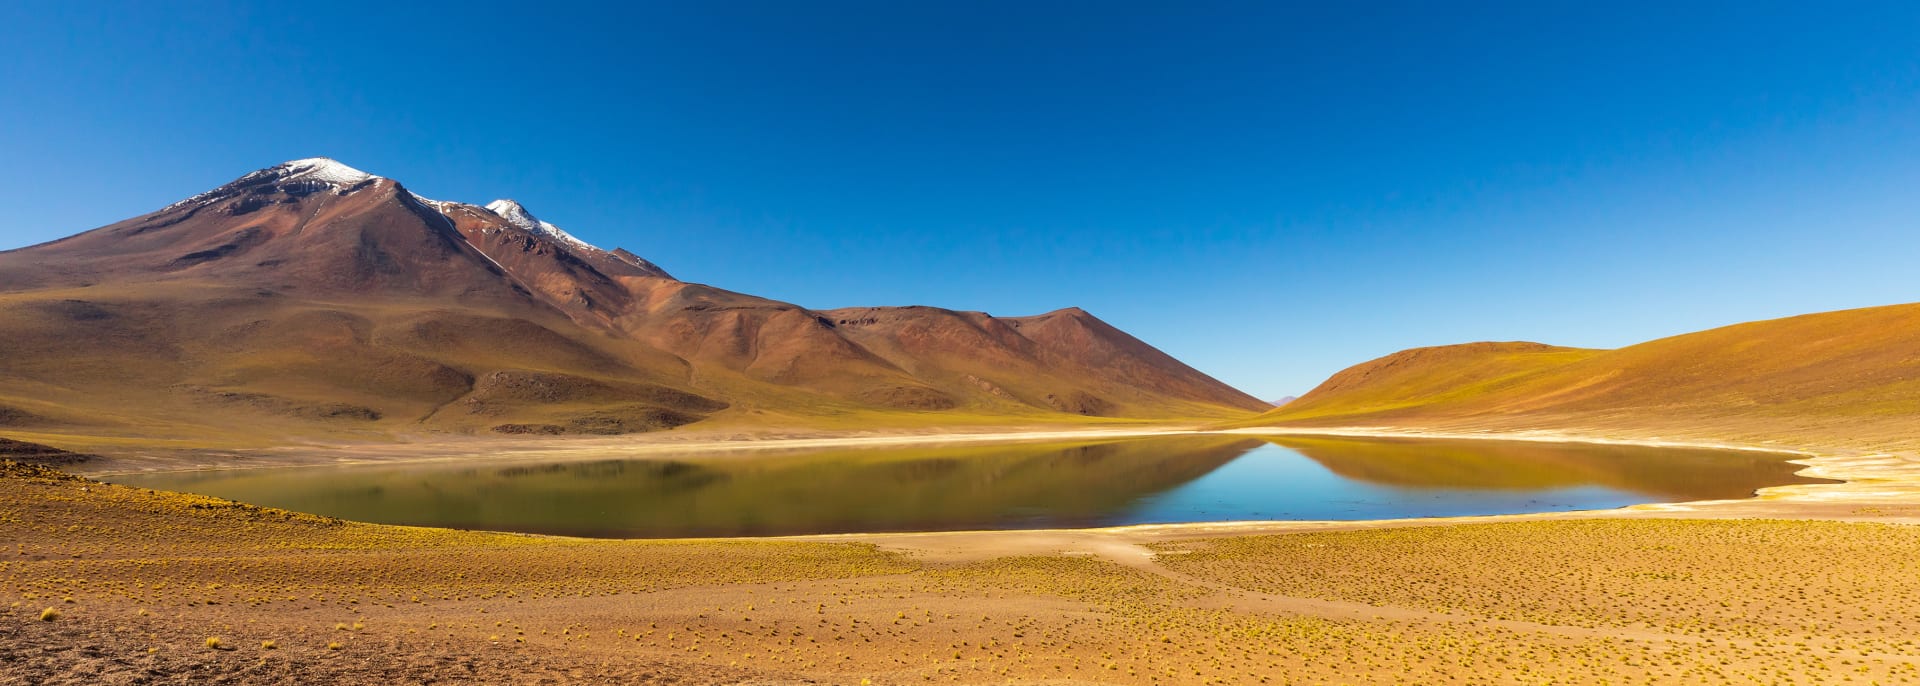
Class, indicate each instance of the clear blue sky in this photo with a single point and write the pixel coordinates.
(1269, 192)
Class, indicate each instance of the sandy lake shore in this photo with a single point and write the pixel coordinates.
(121, 585)
(500, 449)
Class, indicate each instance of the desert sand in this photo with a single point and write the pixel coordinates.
(1812, 583)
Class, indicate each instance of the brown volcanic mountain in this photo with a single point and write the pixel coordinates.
(311, 298)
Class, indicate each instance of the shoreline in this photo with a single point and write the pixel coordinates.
(1864, 480)
(1863, 483)
(334, 600)
(581, 449)
(1860, 475)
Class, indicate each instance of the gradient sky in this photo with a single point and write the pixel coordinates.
(1269, 192)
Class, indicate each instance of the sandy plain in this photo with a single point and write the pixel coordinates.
(1816, 583)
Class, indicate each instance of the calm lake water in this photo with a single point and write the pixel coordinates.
(1157, 480)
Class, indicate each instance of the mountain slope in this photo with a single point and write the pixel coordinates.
(311, 298)
(1423, 377)
(1839, 377)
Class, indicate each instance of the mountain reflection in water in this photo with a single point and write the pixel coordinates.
(1171, 479)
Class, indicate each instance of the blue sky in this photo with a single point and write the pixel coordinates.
(1270, 192)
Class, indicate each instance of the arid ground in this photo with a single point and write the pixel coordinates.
(1805, 584)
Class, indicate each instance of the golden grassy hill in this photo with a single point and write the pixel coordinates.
(1850, 377)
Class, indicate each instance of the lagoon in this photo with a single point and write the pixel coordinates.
(1003, 486)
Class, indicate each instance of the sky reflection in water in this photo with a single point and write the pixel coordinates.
(1158, 480)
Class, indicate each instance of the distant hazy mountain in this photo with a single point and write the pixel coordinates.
(1282, 400)
(310, 297)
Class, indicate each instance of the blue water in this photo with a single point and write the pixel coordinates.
(1271, 482)
(921, 488)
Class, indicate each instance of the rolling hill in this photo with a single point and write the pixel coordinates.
(1850, 377)
(313, 299)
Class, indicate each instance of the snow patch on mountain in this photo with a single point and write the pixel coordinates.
(321, 171)
(436, 208)
(440, 206)
(517, 215)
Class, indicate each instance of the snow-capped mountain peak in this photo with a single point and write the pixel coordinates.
(312, 173)
(323, 174)
(322, 169)
(517, 215)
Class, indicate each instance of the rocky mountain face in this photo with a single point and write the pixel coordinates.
(310, 297)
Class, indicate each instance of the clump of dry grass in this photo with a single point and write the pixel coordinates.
(49, 614)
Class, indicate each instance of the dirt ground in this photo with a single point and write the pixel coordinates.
(1806, 584)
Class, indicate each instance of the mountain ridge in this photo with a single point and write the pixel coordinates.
(1844, 377)
(312, 298)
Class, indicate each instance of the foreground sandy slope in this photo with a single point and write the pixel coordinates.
(109, 584)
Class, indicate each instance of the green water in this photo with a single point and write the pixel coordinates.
(1156, 480)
